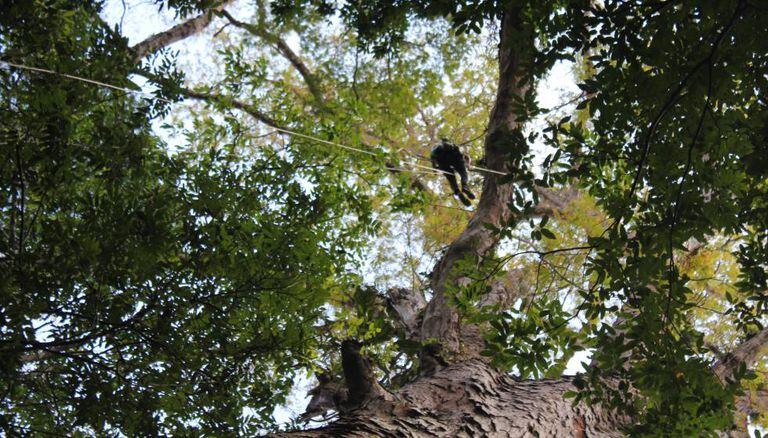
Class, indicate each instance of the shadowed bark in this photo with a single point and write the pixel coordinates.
(359, 376)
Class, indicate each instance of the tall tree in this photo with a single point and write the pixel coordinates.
(154, 291)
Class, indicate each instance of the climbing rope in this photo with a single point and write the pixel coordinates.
(283, 130)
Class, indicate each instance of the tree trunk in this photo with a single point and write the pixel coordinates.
(471, 399)
(441, 321)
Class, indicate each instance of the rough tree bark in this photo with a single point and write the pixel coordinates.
(471, 399)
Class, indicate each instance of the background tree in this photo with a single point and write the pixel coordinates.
(157, 289)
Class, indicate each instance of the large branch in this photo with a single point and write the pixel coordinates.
(745, 354)
(408, 305)
(441, 321)
(43, 354)
(753, 402)
(249, 109)
(471, 398)
(191, 27)
(553, 201)
(282, 47)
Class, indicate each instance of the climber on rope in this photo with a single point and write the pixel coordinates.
(447, 158)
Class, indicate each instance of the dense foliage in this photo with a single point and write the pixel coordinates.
(673, 155)
(143, 290)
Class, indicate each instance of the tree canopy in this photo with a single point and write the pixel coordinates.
(173, 257)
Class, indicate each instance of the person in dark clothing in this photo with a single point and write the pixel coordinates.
(447, 157)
